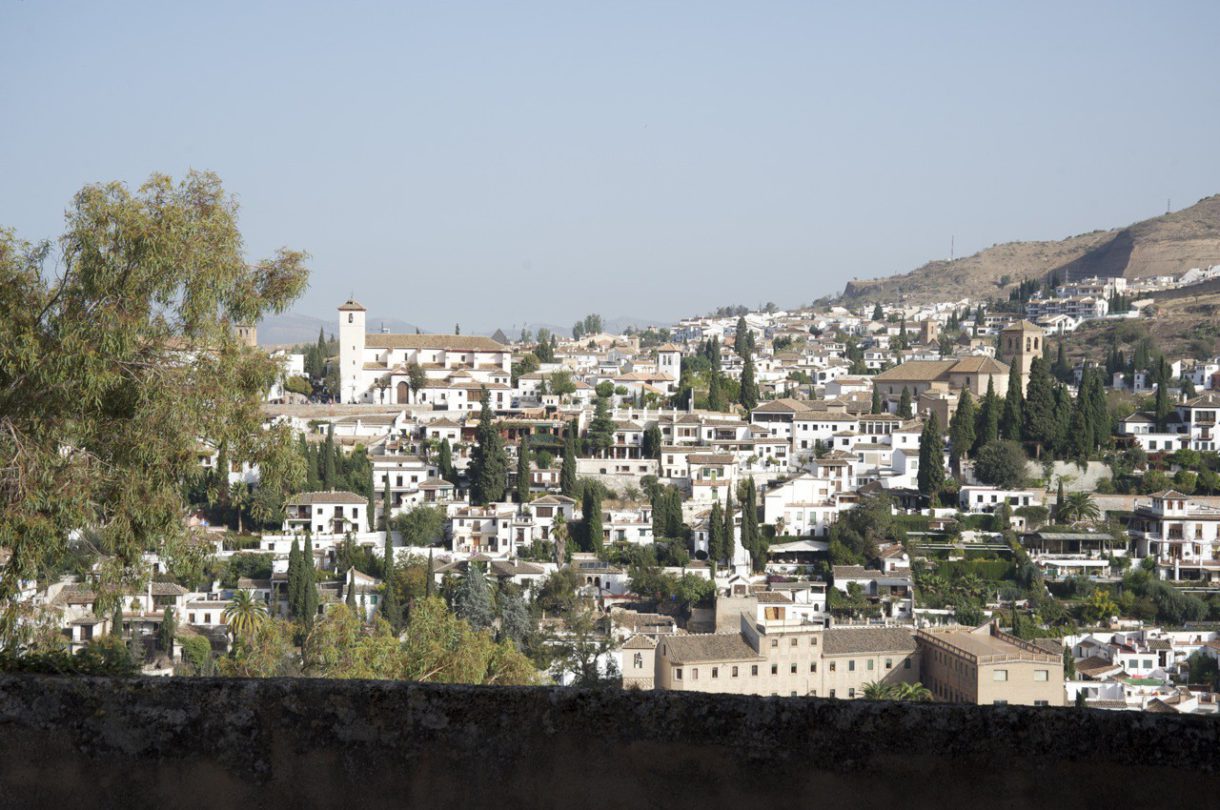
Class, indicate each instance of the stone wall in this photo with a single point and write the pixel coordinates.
(76, 742)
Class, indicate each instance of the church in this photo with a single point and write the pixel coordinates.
(377, 368)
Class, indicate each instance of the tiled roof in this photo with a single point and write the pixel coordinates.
(709, 647)
(461, 343)
(844, 640)
(310, 498)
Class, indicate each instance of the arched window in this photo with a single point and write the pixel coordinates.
(351, 318)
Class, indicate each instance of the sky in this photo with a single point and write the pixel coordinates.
(500, 164)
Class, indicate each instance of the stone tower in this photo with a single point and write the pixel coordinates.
(1020, 343)
(351, 351)
(247, 333)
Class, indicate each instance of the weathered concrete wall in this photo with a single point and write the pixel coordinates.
(79, 742)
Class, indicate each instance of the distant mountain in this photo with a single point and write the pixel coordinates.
(1168, 244)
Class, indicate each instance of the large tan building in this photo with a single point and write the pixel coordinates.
(954, 374)
(778, 652)
(985, 665)
(1020, 343)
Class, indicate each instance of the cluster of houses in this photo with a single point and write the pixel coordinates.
(814, 447)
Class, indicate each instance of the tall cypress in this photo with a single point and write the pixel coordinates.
(294, 580)
(567, 472)
(489, 463)
(875, 408)
(328, 459)
(523, 471)
(904, 403)
(715, 397)
(961, 429)
(1080, 441)
(372, 496)
(1038, 410)
(445, 462)
(1011, 418)
(591, 509)
(309, 584)
(1100, 420)
(987, 429)
(715, 533)
(730, 540)
(387, 505)
(748, 394)
(931, 476)
(1162, 406)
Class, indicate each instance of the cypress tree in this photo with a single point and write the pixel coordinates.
(988, 428)
(309, 584)
(1059, 501)
(445, 462)
(904, 403)
(387, 505)
(472, 599)
(313, 482)
(372, 496)
(351, 590)
(1162, 406)
(328, 459)
(876, 406)
(715, 398)
(878, 313)
(744, 339)
(931, 476)
(961, 429)
(294, 581)
(116, 620)
(567, 473)
(390, 609)
(730, 540)
(523, 472)
(169, 629)
(1100, 422)
(1011, 418)
(429, 580)
(489, 463)
(748, 394)
(1064, 406)
(715, 533)
(1038, 410)
(591, 509)
(387, 558)
(1080, 440)
(1062, 370)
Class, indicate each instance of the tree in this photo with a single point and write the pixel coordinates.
(420, 526)
(444, 464)
(961, 429)
(1011, 419)
(1001, 464)
(1162, 406)
(730, 527)
(515, 622)
(715, 397)
(743, 340)
(1059, 503)
(244, 614)
(387, 504)
(988, 428)
(441, 647)
(912, 691)
(489, 462)
(169, 629)
(295, 574)
(717, 545)
(652, 442)
(748, 391)
(878, 313)
(523, 472)
(1076, 507)
(876, 408)
(1099, 607)
(931, 475)
(329, 452)
(904, 403)
(601, 429)
(751, 538)
(567, 472)
(309, 584)
(144, 296)
(591, 509)
(472, 600)
(1039, 423)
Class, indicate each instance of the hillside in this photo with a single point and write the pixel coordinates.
(1168, 244)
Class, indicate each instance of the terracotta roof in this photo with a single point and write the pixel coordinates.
(845, 640)
(308, 498)
(352, 305)
(709, 647)
(463, 343)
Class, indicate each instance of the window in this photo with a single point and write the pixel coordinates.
(774, 641)
(795, 641)
(832, 693)
(678, 674)
(793, 669)
(889, 663)
(775, 669)
(906, 663)
(813, 666)
(851, 666)
(869, 665)
(999, 675)
(694, 674)
(813, 641)
(715, 672)
(832, 669)
(1000, 703)
(1041, 674)
(754, 669)
(734, 672)
(639, 661)
(192, 619)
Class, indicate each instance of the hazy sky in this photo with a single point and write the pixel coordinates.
(501, 163)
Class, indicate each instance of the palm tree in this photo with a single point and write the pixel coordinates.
(1077, 507)
(875, 690)
(912, 691)
(244, 614)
